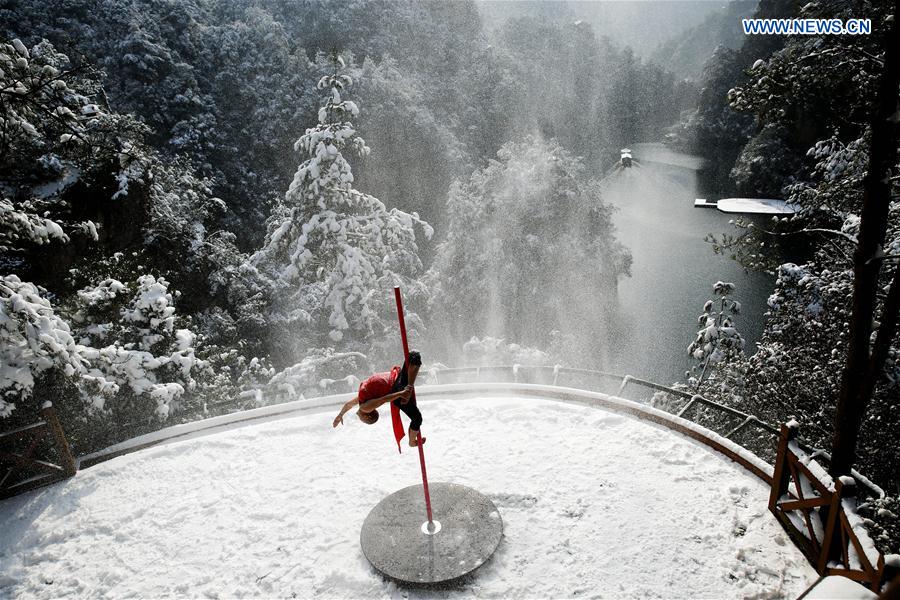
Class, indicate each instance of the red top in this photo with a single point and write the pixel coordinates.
(378, 385)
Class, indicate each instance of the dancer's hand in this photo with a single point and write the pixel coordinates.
(406, 394)
(338, 419)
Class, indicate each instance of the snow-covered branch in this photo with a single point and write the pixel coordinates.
(831, 232)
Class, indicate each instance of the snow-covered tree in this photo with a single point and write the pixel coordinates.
(320, 372)
(131, 340)
(114, 343)
(33, 339)
(51, 132)
(717, 340)
(795, 371)
(766, 165)
(334, 253)
(76, 174)
(47, 104)
(813, 99)
(20, 226)
(397, 110)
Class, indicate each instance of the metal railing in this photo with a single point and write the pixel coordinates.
(724, 420)
(743, 428)
(746, 430)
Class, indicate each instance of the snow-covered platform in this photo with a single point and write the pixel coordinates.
(592, 502)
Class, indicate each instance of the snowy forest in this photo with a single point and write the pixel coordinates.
(206, 205)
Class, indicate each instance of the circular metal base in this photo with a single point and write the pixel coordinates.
(466, 531)
(431, 527)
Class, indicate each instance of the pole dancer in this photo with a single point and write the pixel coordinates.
(395, 386)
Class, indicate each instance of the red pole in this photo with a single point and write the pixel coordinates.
(406, 362)
(402, 321)
(424, 478)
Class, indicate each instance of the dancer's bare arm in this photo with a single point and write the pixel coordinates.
(374, 403)
(344, 409)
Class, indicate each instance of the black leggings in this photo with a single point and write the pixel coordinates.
(409, 409)
(412, 411)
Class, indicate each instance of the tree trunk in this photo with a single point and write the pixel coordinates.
(860, 368)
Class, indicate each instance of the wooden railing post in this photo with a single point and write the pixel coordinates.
(831, 515)
(782, 474)
(59, 436)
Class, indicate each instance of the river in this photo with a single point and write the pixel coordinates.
(673, 272)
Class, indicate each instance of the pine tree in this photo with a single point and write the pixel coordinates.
(332, 252)
(717, 340)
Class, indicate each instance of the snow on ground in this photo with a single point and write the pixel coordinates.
(594, 504)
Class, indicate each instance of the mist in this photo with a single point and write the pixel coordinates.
(207, 205)
(642, 25)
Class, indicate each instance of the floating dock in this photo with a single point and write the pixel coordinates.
(749, 206)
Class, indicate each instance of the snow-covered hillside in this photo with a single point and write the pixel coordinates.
(593, 504)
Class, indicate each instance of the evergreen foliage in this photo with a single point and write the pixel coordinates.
(811, 103)
(718, 341)
(334, 253)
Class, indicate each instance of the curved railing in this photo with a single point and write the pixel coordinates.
(744, 430)
(430, 390)
(679, 402)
